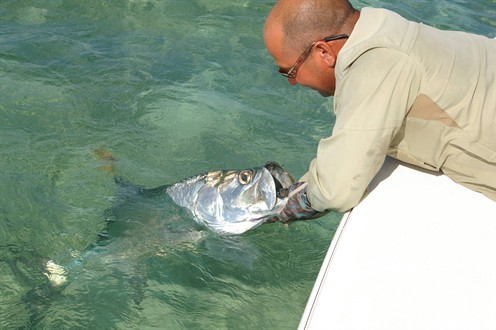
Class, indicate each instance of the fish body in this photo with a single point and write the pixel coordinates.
(227, 202)
(155, 222)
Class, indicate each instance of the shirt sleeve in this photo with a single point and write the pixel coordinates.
(371, 102)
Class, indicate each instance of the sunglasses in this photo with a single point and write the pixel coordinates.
(291, 74)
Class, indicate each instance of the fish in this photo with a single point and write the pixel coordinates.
(208, 210)
(232, 201)
(228, 202)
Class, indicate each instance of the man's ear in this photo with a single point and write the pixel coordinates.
(327, 53)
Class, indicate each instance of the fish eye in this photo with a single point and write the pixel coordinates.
(245, 177)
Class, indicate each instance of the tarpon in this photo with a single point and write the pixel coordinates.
(227, 202)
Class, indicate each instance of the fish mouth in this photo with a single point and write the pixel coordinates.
(282, 179)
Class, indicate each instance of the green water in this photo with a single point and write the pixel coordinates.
(171, 88)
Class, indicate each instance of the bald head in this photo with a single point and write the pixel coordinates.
(300, 22)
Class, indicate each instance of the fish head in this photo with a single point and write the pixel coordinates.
(235, 201)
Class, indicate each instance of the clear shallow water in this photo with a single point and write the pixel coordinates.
(171, 88)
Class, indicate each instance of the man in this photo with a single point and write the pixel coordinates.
(421, 95)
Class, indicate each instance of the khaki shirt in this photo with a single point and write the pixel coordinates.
(416, 93)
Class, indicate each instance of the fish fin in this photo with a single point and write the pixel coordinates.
(106, 158)
(160, 190)
(127, 189)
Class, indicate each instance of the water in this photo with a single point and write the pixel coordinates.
(171, 88)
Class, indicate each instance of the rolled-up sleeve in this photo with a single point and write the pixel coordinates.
(372, 99)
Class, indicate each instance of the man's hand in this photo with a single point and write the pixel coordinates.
(297, 207)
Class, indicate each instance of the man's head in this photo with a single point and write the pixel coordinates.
(291, 28)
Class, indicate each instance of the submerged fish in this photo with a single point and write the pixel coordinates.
(155, 222)
(227, 202)
(231, 201)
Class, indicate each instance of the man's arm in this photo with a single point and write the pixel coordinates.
(372, 99)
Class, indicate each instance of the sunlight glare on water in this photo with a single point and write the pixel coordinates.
(171, 89)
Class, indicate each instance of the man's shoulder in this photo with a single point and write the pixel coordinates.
(374, 16)
(376, 29)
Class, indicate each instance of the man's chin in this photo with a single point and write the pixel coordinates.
(325, 94)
